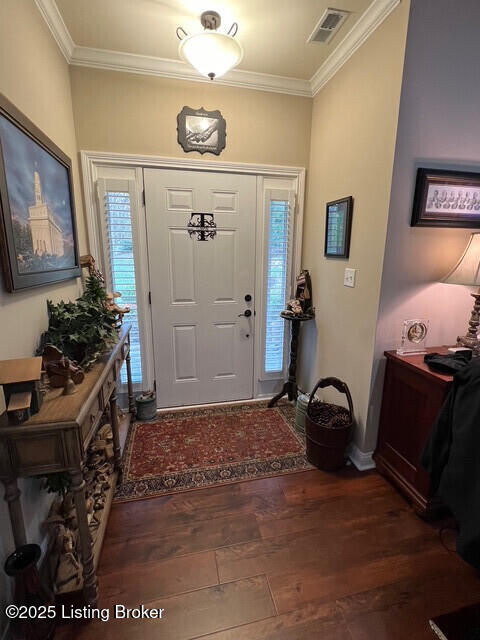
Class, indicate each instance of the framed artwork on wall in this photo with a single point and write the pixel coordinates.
(338, 228)
(445, 198)
(201, 130)
(38, 239)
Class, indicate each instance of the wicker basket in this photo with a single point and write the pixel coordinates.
(328, 427)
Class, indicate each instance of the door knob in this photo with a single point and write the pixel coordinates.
(248, 298)
(247, 313)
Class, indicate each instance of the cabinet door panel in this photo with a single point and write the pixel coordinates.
(411, 403)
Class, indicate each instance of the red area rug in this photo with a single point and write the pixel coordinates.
(194, 449)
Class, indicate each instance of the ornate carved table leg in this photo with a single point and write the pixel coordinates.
(279, 395)
(290, 387)
(12, 498)
(131, 398)
(89, 576)
(116, 436)
(292, 369)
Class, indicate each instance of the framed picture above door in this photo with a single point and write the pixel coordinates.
(201, 130)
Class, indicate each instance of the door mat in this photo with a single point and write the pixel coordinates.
(198, 448)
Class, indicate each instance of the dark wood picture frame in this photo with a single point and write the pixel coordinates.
(200, 135)
(446, 198)
(338, 228)
(14, 279)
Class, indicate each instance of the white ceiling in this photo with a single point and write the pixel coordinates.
(139, 36)
(273, 33)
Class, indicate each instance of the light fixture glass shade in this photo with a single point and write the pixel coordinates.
(211, 53)
(467, 269)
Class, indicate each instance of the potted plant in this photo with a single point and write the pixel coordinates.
(83, 329)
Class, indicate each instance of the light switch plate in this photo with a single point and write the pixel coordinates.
(349, 277)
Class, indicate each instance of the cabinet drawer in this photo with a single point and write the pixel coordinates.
(108, 387)
(34, 455)
(93, 418)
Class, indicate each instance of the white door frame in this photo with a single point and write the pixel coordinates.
(92, 161)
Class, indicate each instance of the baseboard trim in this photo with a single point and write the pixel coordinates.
(363, 460)
(213, 405)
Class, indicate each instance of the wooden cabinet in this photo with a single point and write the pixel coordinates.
(412, 398)
(57, 438)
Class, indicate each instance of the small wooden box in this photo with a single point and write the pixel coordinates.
(19, 407)
(22, 376)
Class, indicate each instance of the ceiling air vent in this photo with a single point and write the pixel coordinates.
(328, 25)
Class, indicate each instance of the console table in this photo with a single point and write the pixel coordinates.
(412, 398)
(56, 439)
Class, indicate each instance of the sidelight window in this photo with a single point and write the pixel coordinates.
(279, 226)
(119, 260)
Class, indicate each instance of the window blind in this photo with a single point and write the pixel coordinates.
(279, 238)
(121, 263)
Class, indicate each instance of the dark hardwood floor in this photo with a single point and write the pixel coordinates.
(308, 556)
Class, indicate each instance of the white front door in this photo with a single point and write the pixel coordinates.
(203, 345)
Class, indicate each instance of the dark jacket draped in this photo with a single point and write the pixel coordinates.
(452, 458)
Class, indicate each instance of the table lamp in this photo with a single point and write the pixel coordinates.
(467, 272)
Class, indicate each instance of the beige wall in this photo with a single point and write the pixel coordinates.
(417, 258)
(129, 113)
(34, 76)
(353, 138)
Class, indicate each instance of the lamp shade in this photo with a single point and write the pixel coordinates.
(211, 53)
(467, 269)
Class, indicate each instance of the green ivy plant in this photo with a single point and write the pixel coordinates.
(83, 329)
(58, 483)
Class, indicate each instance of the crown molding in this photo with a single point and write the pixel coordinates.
(167, 68)
(363, 28)
(58, 28)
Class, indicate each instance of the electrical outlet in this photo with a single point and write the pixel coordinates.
(349, 277)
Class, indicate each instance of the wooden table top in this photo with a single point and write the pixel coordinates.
(415, 361)
(60, 409)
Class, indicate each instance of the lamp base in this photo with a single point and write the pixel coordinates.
(467, 343)
(470, 340)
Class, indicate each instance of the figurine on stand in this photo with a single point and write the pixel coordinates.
(62, 553)
(59, 369)
(299, 309)
(302, 304)
(113, 306)
(88, 262)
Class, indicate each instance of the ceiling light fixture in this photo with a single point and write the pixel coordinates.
(210, 52)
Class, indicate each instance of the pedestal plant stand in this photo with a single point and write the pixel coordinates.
(290, 386)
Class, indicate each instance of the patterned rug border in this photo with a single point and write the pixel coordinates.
(231, 473)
